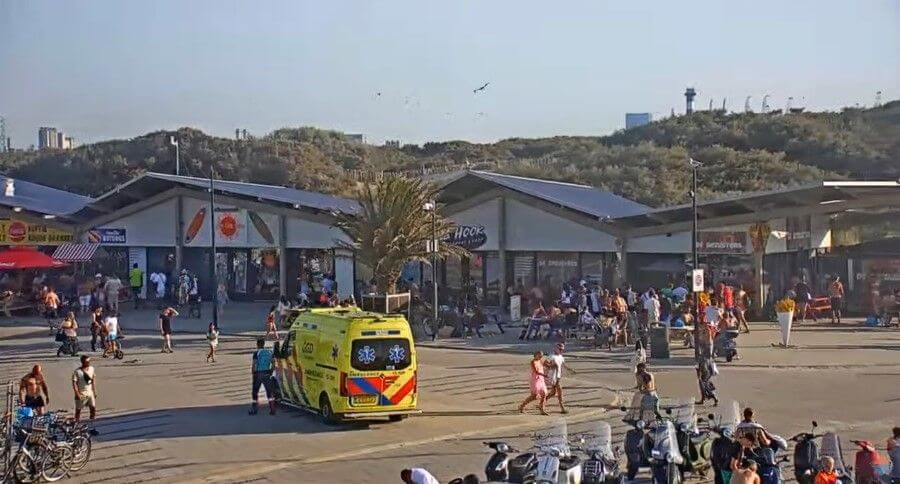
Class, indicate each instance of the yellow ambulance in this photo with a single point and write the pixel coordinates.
(345, 363)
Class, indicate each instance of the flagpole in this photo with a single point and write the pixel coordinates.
(212, 245)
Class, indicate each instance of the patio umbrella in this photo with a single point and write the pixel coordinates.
(27, 258)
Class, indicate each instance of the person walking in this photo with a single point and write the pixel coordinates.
(706, 370)
(51, 305)
(165, 328)
(113, 286)
(282, 308)
(651, 305)
(136, 281)
(804, 295)
(893, 449)
(555, 373)
(537, 384)
(271, 327)
(836, 294)
(33, 391)
(741, 306)
(111, 325)
(84, 384)
(262, 366)
(212, 338)
(96, 328)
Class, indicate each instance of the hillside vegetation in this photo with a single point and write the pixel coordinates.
(740, 152)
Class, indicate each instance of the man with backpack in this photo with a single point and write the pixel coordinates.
(261, 368)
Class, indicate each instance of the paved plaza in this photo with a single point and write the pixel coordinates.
(176, 418)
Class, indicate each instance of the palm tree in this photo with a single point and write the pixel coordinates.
(392, 228)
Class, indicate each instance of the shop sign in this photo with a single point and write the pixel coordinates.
(107, 236)
(17, 232)
(468, 236)
(799, 232)
(722, 242)
(697, 284)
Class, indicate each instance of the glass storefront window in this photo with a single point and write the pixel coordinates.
(491, 270)
(592, 265)
(523, 270)
(316, 271)
(264, 263)
(554, 269)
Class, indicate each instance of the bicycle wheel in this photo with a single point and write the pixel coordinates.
(81, 445)
(55, 462)
(24, 469)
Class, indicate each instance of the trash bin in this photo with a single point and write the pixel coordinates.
(659, 342)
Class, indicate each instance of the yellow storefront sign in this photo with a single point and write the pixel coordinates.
(18, 232)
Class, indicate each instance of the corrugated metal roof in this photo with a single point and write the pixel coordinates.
(582, 198)
(317, 201)
(41, 199)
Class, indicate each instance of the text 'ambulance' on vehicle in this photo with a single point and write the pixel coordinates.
(345, 363)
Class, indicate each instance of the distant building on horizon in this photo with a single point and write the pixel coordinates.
(637, 119)
(355, 137)
(51, 138)
(392, 143)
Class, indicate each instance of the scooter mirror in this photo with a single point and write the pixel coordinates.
(668, 411)
(622, 408)
(711, 417)
(815, 424)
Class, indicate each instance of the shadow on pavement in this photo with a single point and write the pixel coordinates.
(223, 420)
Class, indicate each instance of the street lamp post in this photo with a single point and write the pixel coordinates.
(174, 142)
(433, 248)
(695, 264)
(212, 245)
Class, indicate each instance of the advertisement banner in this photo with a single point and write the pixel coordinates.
(107, 236)
(468, 236)
(515, 307)
(722, 242)
(18, 232)
(799, 232)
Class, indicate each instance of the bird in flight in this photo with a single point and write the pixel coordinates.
(482, 88)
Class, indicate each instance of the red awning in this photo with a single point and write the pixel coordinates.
(75, 252)
(27, 258)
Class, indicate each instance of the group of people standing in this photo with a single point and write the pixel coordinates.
(34, 392)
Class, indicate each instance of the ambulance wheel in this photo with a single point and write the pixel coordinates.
(326, 411)
(397, 418)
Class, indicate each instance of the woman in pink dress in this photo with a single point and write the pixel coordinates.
(537, 385)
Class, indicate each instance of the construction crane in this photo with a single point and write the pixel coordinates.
(747, 108)
(765, 103)
(877, 99)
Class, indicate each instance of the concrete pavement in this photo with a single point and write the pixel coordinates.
(177, 419)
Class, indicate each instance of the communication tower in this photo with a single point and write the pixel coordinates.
(689, 95)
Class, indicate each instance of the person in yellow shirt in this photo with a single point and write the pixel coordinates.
(136, 281)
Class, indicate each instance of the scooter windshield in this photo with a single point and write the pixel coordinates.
(553, 438)
(683, 414)
(729, 416)
(599, 439)
(831, 447)
(643, 407)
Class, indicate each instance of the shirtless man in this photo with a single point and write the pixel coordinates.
(33, 391)
(745, 474)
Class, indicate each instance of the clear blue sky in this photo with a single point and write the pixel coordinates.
(113, 69)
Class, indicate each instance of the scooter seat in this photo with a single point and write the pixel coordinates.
(567, 463)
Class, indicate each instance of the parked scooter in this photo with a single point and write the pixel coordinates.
(555, 462)
(602, 463)
(806, 455)
(665, 456)
(724, 426)
(643, 411)
(871, 467)
(502, 467)
(695, 444)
